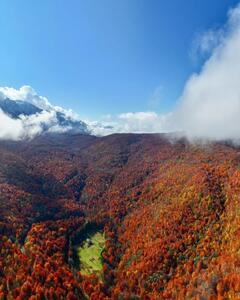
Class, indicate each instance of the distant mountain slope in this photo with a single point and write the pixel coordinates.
(16, 108)
(56, 120)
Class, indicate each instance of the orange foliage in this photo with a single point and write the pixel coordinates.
(169, 211)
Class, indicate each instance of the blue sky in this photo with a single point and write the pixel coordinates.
(104, 57)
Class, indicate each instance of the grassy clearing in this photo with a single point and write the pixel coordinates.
(89, 254)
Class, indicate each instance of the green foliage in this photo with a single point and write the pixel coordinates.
(90, 254)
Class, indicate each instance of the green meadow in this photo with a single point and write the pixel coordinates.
(90, 254)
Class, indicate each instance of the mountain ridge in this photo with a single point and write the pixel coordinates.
(58, 119)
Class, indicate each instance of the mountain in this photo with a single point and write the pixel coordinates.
(58, 120)
(16, 108)
(167, 210)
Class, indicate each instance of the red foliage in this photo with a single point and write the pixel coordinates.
(169, 211)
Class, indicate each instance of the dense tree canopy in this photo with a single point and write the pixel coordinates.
(169, 211)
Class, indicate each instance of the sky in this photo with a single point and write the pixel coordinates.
(106, 57)
(122, 66)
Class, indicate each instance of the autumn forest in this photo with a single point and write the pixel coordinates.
(126, 216)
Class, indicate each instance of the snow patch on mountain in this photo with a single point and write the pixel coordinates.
(25, 114)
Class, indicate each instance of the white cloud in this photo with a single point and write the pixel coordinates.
(25, 93)
(33, 125)
(140, 122)
(26, 126)
(131, 122)
(204, 43)
(9, 128)
(210, 104)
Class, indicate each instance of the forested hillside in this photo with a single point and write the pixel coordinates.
(168, 213)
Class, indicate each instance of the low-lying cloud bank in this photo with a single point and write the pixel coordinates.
(138, 122)
(210, 104)
(209, 107)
